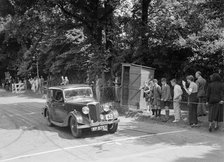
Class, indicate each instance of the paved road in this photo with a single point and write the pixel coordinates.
(25, 137)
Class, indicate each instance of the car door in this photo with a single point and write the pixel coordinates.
(59, 107)
(50, 103)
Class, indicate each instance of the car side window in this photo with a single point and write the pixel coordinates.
(58, 95)
(50, 95)
(54, 92)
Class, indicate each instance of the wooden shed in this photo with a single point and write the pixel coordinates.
(133, 77)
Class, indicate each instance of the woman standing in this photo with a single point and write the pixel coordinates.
(146, 91)
(215, 100)
(192, 99)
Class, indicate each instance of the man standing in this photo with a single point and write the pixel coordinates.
(62, 80)
(201, 82)
(156, 98)
(177, 97)
(116, 89)
(66, 80)
(99, 85)
(42, 84)
(166, 96)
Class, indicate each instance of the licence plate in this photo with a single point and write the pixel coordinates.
(99, 128)
(109, 116)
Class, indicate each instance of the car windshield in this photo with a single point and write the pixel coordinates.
(78, 92)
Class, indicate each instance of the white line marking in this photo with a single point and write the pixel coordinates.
(92, 144)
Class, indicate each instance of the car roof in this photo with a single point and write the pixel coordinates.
(62, 87)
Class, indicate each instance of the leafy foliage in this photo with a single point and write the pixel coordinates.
(85, 38)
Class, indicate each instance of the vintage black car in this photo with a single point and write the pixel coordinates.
(75, 106)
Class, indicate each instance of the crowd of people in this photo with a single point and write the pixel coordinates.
(35, 84)
(201, 95)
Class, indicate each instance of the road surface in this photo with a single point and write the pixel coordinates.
(25, 137)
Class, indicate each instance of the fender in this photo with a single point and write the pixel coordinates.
(77, 115)
(44, 110)
(46, 107)
(80, 119)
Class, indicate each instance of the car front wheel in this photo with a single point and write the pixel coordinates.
(74, 128)
(112, 128)
(48, 118)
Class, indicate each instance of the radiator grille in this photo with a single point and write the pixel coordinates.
(94, 112)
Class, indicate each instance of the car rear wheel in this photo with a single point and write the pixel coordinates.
(112, 128)
(74, 128)
(49, 123)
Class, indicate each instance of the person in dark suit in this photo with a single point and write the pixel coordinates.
(99, 88)
(215, 100)
(201, 82)
(156, 98)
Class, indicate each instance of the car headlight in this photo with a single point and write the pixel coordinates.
(106, 108)
(85, 110)
(101, 117)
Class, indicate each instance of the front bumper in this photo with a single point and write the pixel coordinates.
(96, 124)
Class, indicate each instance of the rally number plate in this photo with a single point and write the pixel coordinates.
(99, 128)
(109, 116)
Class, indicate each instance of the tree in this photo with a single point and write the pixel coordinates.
(80, 37)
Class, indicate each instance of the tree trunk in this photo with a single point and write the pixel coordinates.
(144, 25)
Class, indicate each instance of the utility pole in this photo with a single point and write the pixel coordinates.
(37, 68)
(38, 76)
(36, 58)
